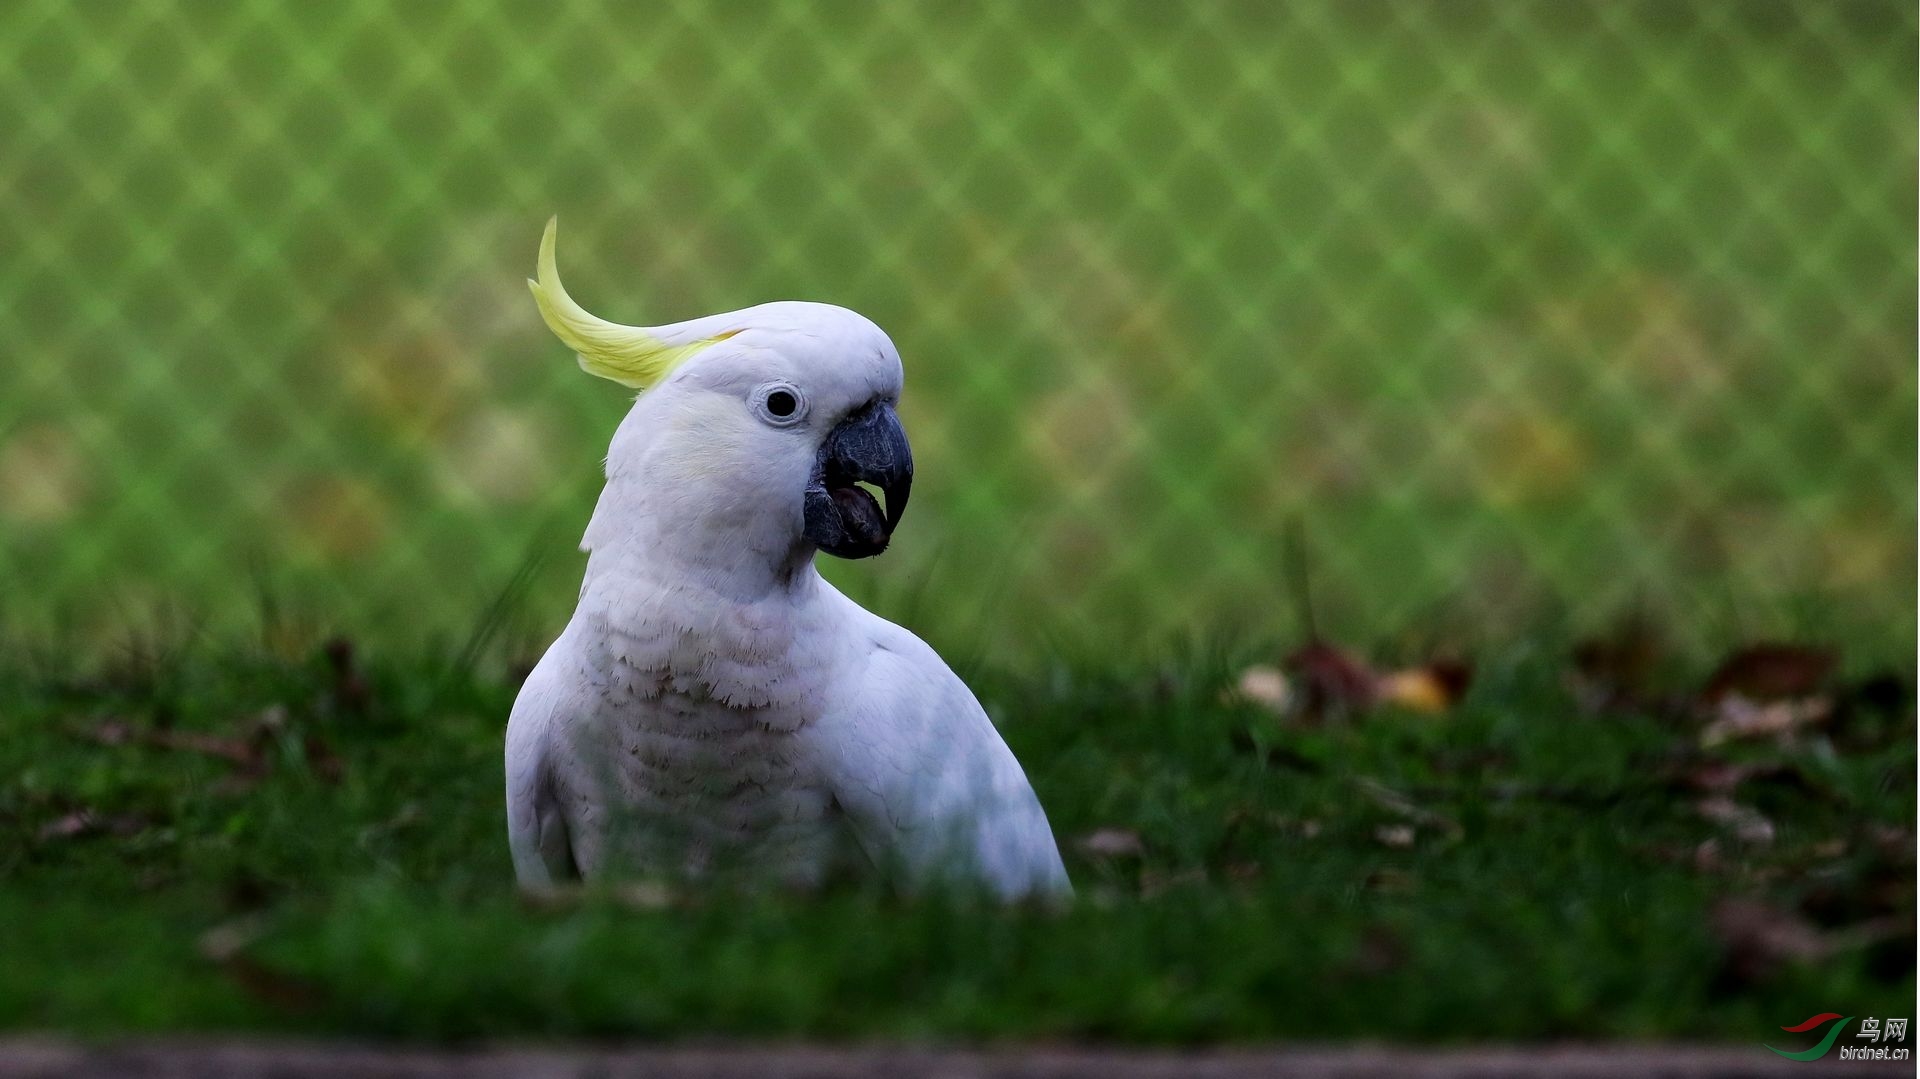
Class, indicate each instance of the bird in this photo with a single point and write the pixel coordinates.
(715, 710)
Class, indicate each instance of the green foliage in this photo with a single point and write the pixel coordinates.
(350, 874)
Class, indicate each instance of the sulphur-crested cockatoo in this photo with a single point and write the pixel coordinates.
(714, 706)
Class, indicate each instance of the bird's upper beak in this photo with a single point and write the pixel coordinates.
(869, 446)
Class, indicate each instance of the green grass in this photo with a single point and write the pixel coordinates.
(1566, 903)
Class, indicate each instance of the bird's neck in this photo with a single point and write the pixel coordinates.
(644, 538)
(712, 622)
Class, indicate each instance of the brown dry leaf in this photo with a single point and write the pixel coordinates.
(1720, 777)
(1747, 824)
(1615, 671)
(1112, 843)
(241, 752)
(1738, 718)
(1330, 680)
(1430, 689)
(82, 823)
(119, 732)
(1713, 776)
(249, 755)
(77, 823)
(1771, 672)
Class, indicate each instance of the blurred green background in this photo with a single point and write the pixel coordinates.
(1522, 312)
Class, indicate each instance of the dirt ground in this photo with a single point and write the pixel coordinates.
(29, 1059)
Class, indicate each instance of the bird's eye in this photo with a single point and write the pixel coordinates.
(780, 404)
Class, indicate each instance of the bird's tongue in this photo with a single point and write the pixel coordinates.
(860, 514)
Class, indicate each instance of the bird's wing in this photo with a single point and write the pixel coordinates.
(931, 790)
(536, 831)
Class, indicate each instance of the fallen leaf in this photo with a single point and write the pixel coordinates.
(1112, 843)
(239, 751)
(85, 822)
(1432, 689)
(72, 825)
(1614, 672)
(1331, 681)
(248, 755)
(1327, 681)
(1739, 718)
(1771, 672)
(1714, 776)
(1747, 824)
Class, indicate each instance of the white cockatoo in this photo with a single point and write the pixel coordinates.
(714, 705)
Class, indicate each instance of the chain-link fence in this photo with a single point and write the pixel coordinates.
(1511, 310)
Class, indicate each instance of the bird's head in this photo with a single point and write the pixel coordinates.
(754, 427)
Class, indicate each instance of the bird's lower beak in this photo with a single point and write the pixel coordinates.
(842, 518)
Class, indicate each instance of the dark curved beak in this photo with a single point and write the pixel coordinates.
(869, 446)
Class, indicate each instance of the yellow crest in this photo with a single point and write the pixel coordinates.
(630, 355)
